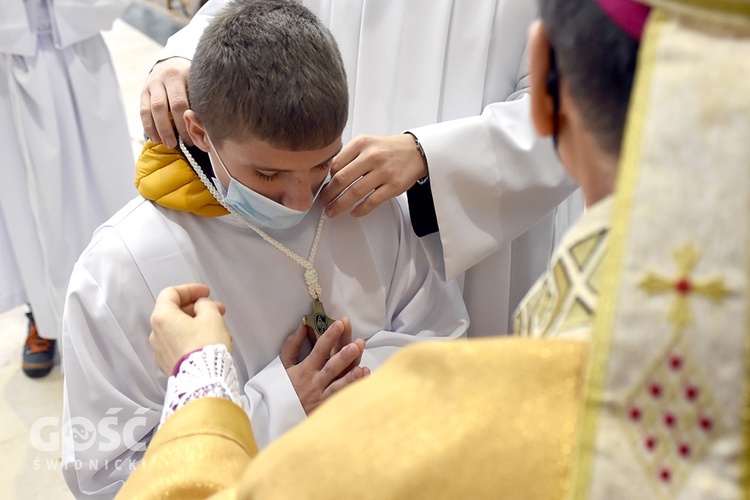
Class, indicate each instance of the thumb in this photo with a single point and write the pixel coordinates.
(292, 345)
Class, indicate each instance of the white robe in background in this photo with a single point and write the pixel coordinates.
(68, 162)
(412, 64)
(372, 270)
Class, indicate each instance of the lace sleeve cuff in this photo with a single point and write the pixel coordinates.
(206, 373)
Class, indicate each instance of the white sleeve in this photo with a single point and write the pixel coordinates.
(272, 403)
(184, 42)
(492, 178)
(420, 305)
(113, 390)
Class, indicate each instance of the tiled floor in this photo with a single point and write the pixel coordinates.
(30, 410)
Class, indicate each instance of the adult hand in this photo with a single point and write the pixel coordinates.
(165, 92)
(326, 370)
(185, 320)
(374, 169)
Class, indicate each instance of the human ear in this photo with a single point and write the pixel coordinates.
(195, 130)
(542, 102)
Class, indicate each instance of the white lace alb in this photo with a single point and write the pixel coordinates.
(206, 373)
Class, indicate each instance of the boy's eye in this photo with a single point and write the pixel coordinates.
(266, 177)
(324, 166)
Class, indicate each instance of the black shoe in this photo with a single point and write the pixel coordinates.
(38, 353)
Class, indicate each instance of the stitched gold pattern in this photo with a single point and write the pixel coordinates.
(564, 300)
(672, 417)
(684, 286)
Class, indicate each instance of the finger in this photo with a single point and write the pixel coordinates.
(322, 349)
(159, 109)
(345, 338)
(373, 200)
(358, 373)
(175, 298)
(361, 345)
(178, 104)
(162, 118)
(146, 119)
(338, 365)
(344, 171)
(207, 308)
(222, 308)
(353, 194)
(184, 295)
(292, 345)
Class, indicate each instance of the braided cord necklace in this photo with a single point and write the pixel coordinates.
(317, 320)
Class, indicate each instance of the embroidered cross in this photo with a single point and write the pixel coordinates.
(684, 286)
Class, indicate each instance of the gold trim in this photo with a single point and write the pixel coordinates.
(720, 7)
(606, 308)
(745, 415)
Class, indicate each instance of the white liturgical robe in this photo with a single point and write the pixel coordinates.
(427, 64)
(372, 270)
(65, 145)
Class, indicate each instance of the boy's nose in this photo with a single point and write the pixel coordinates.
(299, 195)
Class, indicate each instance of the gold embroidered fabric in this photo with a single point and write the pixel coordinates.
(438, 421)
(200, 450)
(563, 301)
(666, 394)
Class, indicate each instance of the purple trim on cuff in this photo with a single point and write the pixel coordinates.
(176, 368)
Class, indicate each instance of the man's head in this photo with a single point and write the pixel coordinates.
(595, 60)
(268, 96)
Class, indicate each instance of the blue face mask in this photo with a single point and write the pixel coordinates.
(256, 208)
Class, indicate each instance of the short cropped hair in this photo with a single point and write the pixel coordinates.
(270, 70)
(597, 60)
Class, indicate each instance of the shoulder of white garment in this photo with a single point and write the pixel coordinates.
(15, 33)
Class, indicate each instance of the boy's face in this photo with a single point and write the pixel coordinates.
(290, 178)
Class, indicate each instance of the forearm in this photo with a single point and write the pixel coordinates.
(508, 182)
(181, 462)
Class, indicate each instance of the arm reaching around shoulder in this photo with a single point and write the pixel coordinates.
(164, 99)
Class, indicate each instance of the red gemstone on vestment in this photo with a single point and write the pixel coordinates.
(706, 423)
(683, 286)
(684, 450)
(651, 443)
(691, 392)
(635, 414)
(655, 390)
(665, 475)
(669, 419)
(675, 362)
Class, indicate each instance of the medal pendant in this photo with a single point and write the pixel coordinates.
(317, 320)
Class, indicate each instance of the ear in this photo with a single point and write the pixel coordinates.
(542, 104)
(196, 131)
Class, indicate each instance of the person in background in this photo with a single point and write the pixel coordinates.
(67, 152)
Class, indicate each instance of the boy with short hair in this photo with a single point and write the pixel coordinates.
(269, 103)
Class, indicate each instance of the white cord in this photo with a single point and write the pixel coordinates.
(311, 275)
